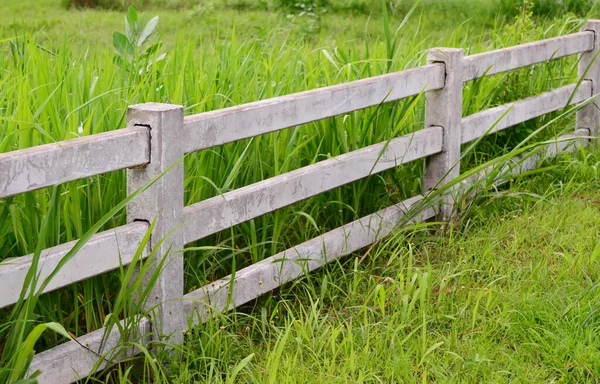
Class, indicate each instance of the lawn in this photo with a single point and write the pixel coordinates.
(411, 308)
(213, 21)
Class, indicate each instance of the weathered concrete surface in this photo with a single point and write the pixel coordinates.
(221, 212)
(103, 252)
(268, 274)
(506, 59)
(163, 201)
(479, 124)
(444, 108)
(215, 128)
(589, 69)
(71, 361)
(52, 164)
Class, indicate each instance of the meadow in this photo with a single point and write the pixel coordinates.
(482, 302)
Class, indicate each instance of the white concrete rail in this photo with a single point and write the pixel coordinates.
(102, 253)
(223, 126)
(270, 273)
(252, 282)
(232, 208)
(52, 164)
(507, 59)
(75, 360)
(505, 116)
(566, 143)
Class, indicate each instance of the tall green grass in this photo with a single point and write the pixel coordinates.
(52, 91)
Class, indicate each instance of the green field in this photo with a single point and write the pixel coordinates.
(412, 308)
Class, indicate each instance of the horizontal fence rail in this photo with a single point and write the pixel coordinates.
(227, 125)
(507, 59)
(270, 273)
(159, 135)
(77, 359)
(102, 253)
(52, 164)
(496, 119)
(564, 143)
(232, 208)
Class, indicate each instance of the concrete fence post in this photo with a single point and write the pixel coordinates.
(589, 69)
(162, 202)
(444, 108)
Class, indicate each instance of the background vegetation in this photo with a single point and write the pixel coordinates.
(64, 75)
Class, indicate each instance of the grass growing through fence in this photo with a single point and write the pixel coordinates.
(55, 88)
(509, 295)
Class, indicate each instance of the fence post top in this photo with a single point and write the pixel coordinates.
(445, 55)
(156, 115)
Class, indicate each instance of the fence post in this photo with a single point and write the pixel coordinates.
(443, 108)
(162, 202)
(589, 116)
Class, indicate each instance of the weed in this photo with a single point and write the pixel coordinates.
(134, 55)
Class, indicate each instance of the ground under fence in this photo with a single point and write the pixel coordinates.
(158, 135)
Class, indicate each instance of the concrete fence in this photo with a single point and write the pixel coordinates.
(158, 135)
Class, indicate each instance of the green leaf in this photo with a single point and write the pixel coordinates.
(27, 381)
(310, 219)
(143, 20)
(26, 349)
(131, 23)
(148, 29)
(276, 357)
(122, 44)
(431, 349)
(152, 49)
(386, 32)
(118, 60)
(382, 299)
(238, 367)
(58, 329)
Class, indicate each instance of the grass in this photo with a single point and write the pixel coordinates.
(509, 295)
(59, 81)
(214, 21)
